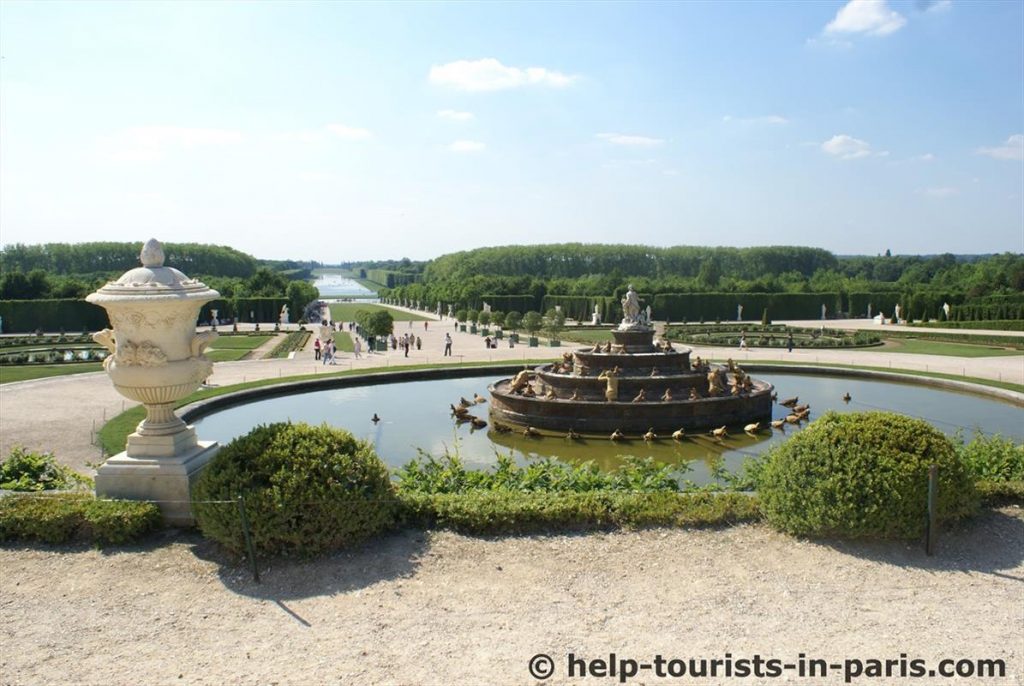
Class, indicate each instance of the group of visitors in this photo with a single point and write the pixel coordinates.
(490, 342)
(325, 351)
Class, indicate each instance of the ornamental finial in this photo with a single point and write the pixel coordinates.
(152, 254)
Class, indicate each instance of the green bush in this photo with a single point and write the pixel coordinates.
(307, 489)
(993, 458)
(29, 471)
(862, 475)
(59, 518)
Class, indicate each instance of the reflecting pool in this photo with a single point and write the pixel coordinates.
(416, 416)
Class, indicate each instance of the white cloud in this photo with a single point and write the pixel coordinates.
(151, 143)
(631, 140)
(467, 146)
(772, 119)
(455, 115)
(846, 147)
(872, 17)
(491, 75)
(941, 192)
(938, 6)
(1012, 149)
(349, 133)
(927, 157)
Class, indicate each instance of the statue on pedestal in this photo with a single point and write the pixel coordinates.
(630, 307)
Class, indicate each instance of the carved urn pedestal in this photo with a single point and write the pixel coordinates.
(156, 359)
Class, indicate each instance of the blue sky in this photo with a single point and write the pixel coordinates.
(339, 131)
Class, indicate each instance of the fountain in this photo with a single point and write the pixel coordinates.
(630, 385)
(156, 358)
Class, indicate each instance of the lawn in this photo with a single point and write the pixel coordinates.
(343, 341)
(346, 312)
(923, 347)
(225, 341)
(586, 335)
(234, 348)
(12, 373)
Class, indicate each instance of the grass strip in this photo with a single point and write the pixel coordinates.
(27, 372)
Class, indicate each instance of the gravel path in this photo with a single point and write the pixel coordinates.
(440, 608)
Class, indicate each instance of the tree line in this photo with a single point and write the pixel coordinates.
(109, 256)
(466, 279)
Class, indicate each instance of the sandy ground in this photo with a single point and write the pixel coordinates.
(440, 608)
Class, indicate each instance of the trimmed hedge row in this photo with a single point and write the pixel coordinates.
(62, 517)
(519, 512)
(581, 307)
(23, 316)
(722, 306)
(996, 324)
(264, 310)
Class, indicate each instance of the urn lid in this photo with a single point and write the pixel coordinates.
(153, 281)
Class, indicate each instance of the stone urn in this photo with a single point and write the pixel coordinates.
(156, 358)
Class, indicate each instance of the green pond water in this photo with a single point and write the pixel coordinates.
(416, 416)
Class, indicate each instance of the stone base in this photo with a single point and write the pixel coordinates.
(167, 480)
(168, 445)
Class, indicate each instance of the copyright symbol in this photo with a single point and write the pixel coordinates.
(541, 666)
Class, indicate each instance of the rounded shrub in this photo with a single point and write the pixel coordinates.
(306, 489)
(862, 475)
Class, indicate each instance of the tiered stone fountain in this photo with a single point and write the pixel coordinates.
(630, 384)
(156, 359)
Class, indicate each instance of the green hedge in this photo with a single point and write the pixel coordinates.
(263, 310)
(995, 324)
(518, 512)
(581, 307)
(722, 306)
(970, 311)
(59, 518)
(522, 302)
(24, 316)
(391, 279)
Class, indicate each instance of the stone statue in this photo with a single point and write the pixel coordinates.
(823, 310)
(869, 310)
(631, 307)
(715, 386)
(521, 381)
(611, 379)
(897, 313)
(284, 314)
(739, 312)
(945, 309)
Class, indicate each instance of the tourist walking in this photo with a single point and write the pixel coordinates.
(357, 347)
(419, 343)
(447, 345)
(316, 349)
(789, 342)
(328, 355)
